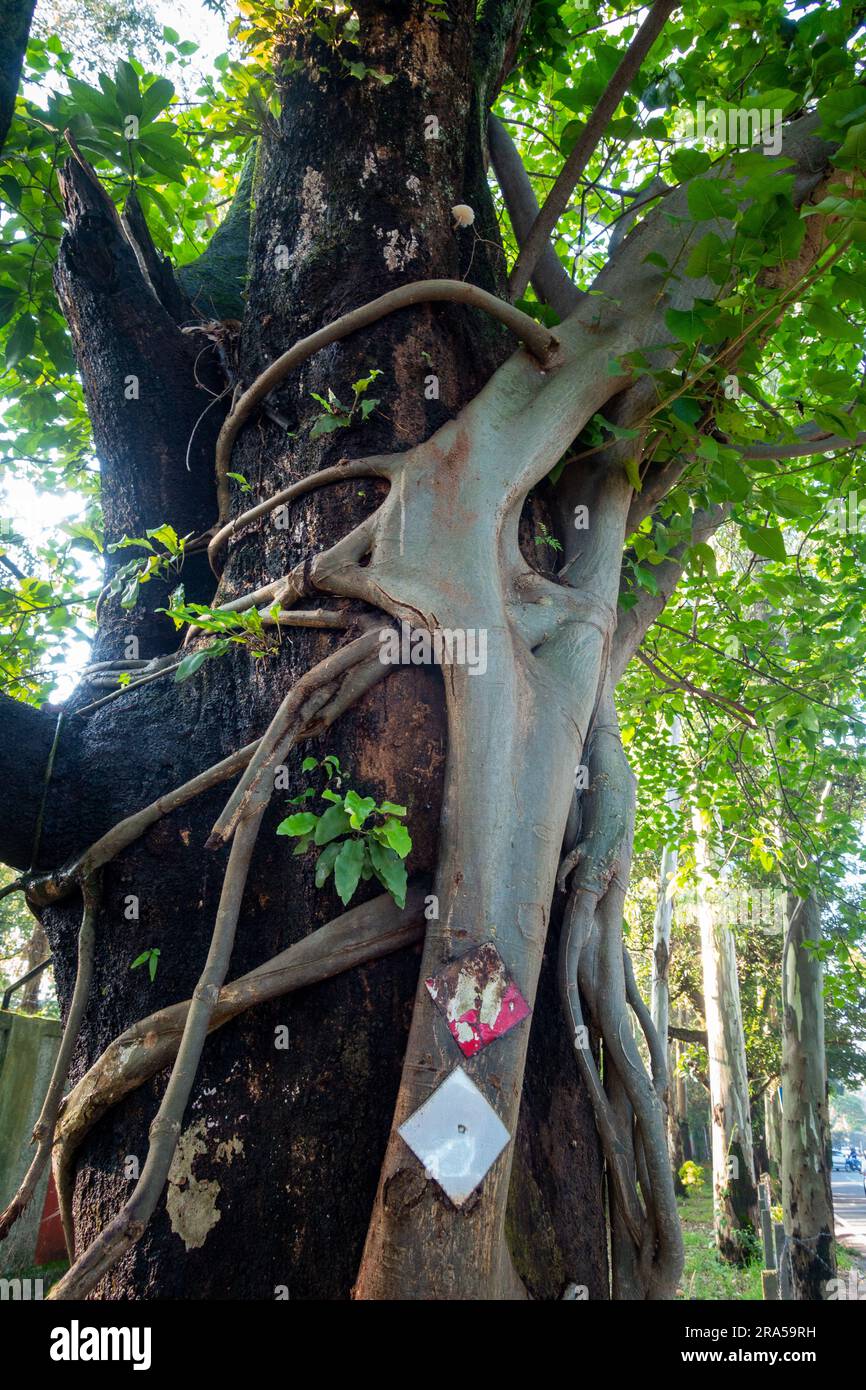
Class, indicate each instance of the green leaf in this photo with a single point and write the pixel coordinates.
(325, 863)
(190, 665)
(128, 93)
(166, 536)
(334, 822)
(359, 808)
(394, 834)
(703, 557)
(390, 871)
(301, 823)
(309, 764)
(686, 325)
(737, 485)
(389, 808)
(20, 340)
(708, 199)
(853, 150)
(708, 258)
(766, 541)
(632, 472)
(155, 99)
(326, 424)
(347, 869)
(687, 164)
(834, 325)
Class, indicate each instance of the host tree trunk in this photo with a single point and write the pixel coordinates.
(807, 1201)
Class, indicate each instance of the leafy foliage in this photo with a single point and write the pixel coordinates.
(358, 839)
(337, 416)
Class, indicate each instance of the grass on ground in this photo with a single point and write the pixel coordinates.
(705, 1276)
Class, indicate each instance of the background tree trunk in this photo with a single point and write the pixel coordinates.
(281, 1149)
(773, 1130)
(807, 1199)
(37, 950)
(679, 1137)
(663, 921)
(734, 1189)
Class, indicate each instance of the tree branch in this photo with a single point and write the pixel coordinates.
(549, 277)
(635, 622)
(811, 440)
(539, 340)
(559, 195)
(15, 19)
(145, 383)
(688, 1035)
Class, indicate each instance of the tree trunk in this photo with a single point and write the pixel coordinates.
(664, 917)
(15, 20)
(37, 950)
(679, 1137)
(773, 1130)
(807, 1201)
(734, 1189)
(281, 1149)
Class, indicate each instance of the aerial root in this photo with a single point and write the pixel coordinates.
(312, 703)
(127, 1227)
(338, 473)
(539, 340)
(629, 1107)
(365, 933)
(358, 675)
(304, 709)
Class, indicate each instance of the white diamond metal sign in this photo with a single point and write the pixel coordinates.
(457, 1135)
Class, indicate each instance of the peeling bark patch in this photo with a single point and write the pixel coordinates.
(478, 998)
(191, 1201)
(313, 207)
(399, 250)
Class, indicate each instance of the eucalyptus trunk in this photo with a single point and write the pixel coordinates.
(773, 1130)
(734, 1189)
(807, 1200)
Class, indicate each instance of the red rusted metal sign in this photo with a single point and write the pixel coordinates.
(478, 998)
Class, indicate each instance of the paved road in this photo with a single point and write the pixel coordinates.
(849, 1201)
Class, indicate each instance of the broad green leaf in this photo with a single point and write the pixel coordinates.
(301, 823)
(395, 834)
(347, 869)
(766, 541)
(390, 871)
(708, 199)
(325, 863)
(358, 808)
(334, 822)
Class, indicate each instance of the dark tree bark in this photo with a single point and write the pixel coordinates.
(25, 746)
(15, 19)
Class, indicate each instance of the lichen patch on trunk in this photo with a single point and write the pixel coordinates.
(191, 1201)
